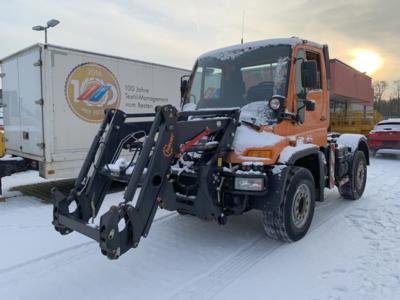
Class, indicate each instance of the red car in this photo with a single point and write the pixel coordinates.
(385, 135)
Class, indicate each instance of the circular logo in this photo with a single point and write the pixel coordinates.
(90, 89)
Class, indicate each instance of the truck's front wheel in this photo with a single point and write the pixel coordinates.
(292, 219)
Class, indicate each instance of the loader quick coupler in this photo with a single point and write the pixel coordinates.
(200, 140)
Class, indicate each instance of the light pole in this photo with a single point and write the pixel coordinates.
(51, 23)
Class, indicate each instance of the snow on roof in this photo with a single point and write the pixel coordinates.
(246, 137)
(254, 45)
(392, 120)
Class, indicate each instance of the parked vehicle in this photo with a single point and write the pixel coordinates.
(252, 135)
(54, 100)
(385, 135)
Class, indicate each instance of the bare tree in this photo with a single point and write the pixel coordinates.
(379, 89)
(396, 89)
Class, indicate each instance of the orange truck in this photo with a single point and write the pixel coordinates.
(252, 134)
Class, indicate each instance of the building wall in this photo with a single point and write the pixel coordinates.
(349, 84)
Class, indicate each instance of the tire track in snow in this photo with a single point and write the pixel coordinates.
(43, 257)
(65, 250)
(211, 283)
(374, 275)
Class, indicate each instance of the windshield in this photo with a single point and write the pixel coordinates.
(237, 78)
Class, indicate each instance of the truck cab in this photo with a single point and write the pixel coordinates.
(281, 86)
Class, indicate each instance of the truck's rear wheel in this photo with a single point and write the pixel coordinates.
(292, 219)
(355, 187)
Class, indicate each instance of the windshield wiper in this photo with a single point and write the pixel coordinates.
(252, 125)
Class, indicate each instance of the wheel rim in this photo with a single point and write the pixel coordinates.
(301, 205)
(360, 174)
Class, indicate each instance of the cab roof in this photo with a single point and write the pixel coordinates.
(293, 41)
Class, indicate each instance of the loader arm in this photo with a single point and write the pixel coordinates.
(166, 138)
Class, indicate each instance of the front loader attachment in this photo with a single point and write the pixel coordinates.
(154, 148)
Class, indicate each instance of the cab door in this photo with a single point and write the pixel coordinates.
(311, 119)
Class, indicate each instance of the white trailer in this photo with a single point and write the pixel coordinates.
(54, 99)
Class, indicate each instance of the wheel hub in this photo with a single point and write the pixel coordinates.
(360, 174)
(301, 205)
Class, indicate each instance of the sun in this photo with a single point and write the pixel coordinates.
(365, 60)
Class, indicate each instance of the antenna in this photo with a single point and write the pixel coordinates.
(241, 41)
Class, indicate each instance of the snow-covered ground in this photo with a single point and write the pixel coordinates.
(352, 251)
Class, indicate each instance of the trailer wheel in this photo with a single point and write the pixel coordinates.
(292, 219)
(354, 189)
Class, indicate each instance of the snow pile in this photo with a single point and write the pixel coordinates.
(278, 169)
(288, 151)
(120, 165)
(9, 157)
(249, 172)
(249, 138)
(183, 166)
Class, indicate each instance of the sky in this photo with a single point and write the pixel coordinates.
(176, 32)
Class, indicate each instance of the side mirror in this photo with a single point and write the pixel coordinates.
(184, 84)
(309, 74)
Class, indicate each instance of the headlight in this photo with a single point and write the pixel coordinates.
(249, 184)
(275, 104)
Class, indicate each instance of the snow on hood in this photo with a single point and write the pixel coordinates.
(257, 112)
(246, 137)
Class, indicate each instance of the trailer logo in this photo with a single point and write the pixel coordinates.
(90, 89)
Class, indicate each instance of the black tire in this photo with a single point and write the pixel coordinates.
(373, 152)
(355, 187)
(286, 223)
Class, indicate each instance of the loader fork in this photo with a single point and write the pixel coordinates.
(169, 136)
